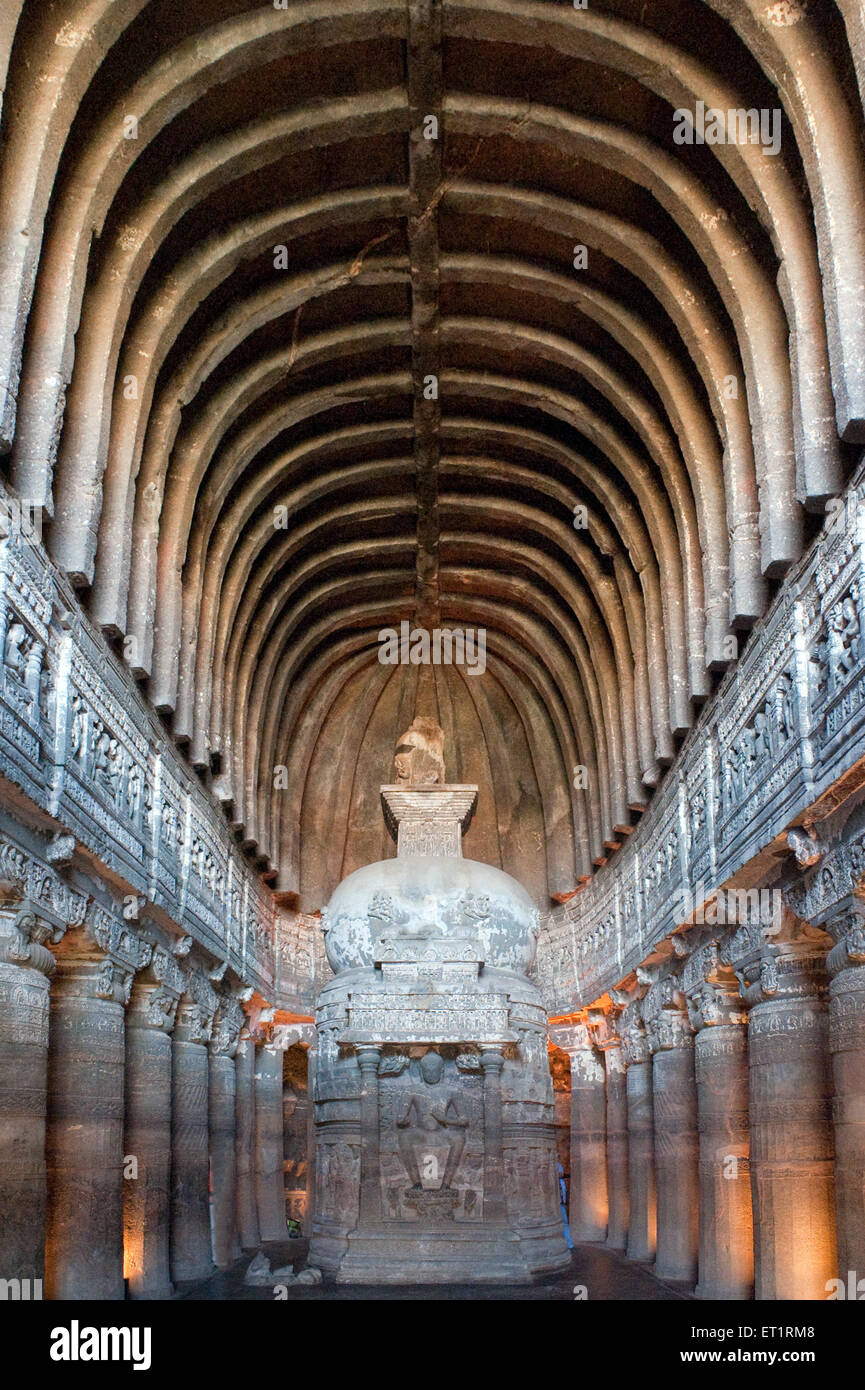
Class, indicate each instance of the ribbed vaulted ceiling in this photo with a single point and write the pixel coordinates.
(246, 478)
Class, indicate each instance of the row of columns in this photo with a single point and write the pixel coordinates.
(718, 1120)
(140, 1124)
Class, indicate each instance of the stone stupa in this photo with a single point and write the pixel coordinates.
(435, 1144)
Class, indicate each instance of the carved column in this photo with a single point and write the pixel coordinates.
(84, 1140)
(782, 975)
(641, 1163)
(26, 968)
(617, 1136)
(588, 1205)
(726, 1235)
(847, 1044)
(269, 1173)
(492, 1062)
(674, 1087)
(190, 1168)
(222, 1104)
(247, 1210)
(370, 1183)
(311, 1058)
(147, 1186)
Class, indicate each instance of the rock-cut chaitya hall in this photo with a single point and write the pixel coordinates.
(432, 621)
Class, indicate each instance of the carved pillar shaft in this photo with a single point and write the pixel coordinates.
(84, 1141)
(726, 1259)
(222, 1099)
(370, 1183)
(311, 1148)
(726, 1234)
(190, 1168)
(26, 967)
(247, 1211)
(147, 1188)
(791, 1130)
(588, 1207)
(847, 1045)
(641, 1164)
(269, 1161)
(492, 1062)
(617, 1145)
(676, 1150)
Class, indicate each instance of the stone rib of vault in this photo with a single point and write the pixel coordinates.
(435, 1140)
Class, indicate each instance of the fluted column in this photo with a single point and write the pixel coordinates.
(222, 1104)
(847, 1045)
(726, 1234)
(247, 1210)
(783, 980)
(674, 1089)
(269, 1161)
(587, 1216)
(147, 1183)
(26, 968)
(617, 1135)
(190, 1169)
(641, 1162)
(84, 1140)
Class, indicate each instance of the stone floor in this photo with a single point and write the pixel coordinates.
(605, 1276)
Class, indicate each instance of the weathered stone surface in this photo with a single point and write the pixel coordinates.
(642, 1185)
(847, 1046)
(147, 1139)
(246, 1206)
(269, 1178)
(726, 1235)
(617, 1142)
(222, 1121)
(674, 1095)
(191, 1255)
(783, 980)
(587, 1211)
(26, 967)
(84, 1140)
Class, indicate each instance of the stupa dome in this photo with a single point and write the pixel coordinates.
(422, 895)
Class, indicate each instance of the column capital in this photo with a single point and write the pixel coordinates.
(665, 1015)
(103, 954)
(636, 1042)
(711, 989)
(848, 932)
(23, 937)
(782, 959)
(605, 1028)
(23, 876)
(193, 1024)
(368, 1058)
(156, 992)
(228, 1022)
(492, 1059)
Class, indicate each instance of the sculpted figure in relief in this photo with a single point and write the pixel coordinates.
(431, 1115)
(14, 654)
